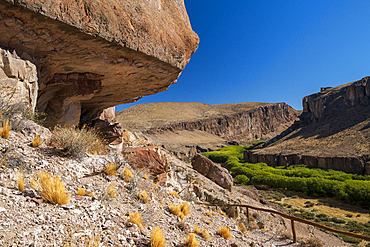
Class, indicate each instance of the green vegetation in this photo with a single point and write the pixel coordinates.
(351, 188)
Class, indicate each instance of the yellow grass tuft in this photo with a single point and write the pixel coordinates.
(208, 213)
(176, 210)
(242, 228)
(81, 191)
(51, 188)
(5, 133)
(173, 193)
(157, 239)
(221, 212)
(206, 221)
(136, 219)
(203, 232)
(111, 169)
(143, 196)
(146, 176)
(33, 184)
(224, 232)
(128, 175)
(111, 191)
(37, 141)
(21, 186)
(191, 241)
(185, 208)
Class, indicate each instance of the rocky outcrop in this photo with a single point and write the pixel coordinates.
(332, 132)
(92, 55)
(216, 173)
(262, 122)
(18, 79)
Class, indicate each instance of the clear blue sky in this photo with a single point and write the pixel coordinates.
(271, 51)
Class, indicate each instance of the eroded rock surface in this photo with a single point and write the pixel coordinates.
(332, 133)
(212, 171)
(92, 55)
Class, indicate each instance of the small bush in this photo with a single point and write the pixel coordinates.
(143, 196)
(5, 132)
(128, 175)
(203, 232)
(191, 241)
(224, 232)
(157, 239)
(21, 186)
(176, 210)
(349, 215)
(76, 142)
(185, 208)
(111, 191)
(338, 220)
(313, 242)
(242, 179)
(111, 169)
(81, 191)
(136, 219)
(51, 188)
(37, 141)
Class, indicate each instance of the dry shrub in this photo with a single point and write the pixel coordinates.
(143, 196)
(128, 175)
(203, 232)
(81, 191)
(37, 141)
(285, 235)
(173, 193)
(136, 219)
(242, 228)
(51, 188)
(313, 242)
(224, 232)
(191, 241)
(5, 132)
(157, 239)
(185, 208)
(76, 142)
(111, 191)
(206, 221)
(21, 186)
(180, 210)
(111, 169)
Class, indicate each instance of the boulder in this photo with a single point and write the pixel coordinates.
(92, 55)
(212, 171)
(151, 157)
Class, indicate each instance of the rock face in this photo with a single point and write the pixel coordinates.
(332, 133)
(92, 55)
(216, 173)
(18, 79)
(210, 127)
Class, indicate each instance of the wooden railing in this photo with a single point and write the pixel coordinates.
(292, 218)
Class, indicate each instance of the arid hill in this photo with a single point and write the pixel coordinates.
(185, 128)
(333, 132)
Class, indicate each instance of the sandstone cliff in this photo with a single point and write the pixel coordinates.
(92, 55)
(186, 128)
(333, 132)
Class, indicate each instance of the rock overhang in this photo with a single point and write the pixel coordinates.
(95, 55)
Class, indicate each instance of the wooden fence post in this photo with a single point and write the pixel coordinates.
(293, 230)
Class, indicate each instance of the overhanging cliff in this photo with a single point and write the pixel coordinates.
(92, 55)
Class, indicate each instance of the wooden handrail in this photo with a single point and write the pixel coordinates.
(292, 218)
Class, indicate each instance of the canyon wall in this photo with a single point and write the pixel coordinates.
(333, 132)
(93, 55)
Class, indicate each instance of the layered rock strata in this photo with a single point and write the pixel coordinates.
(92, 55)
(188, 128)
(332, 133)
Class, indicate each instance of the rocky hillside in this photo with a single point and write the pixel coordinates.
(102, 204)
(333, 132)
(186, 127)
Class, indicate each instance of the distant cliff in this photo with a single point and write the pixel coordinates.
(186, 128)
(333, 132)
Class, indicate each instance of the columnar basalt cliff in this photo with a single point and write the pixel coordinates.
(187, 128)
(332, 133)
(92, 55)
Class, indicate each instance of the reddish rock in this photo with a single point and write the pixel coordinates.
(151, 157)
(162, 179)
(92, 55)
(111, 132)
(212, 171)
